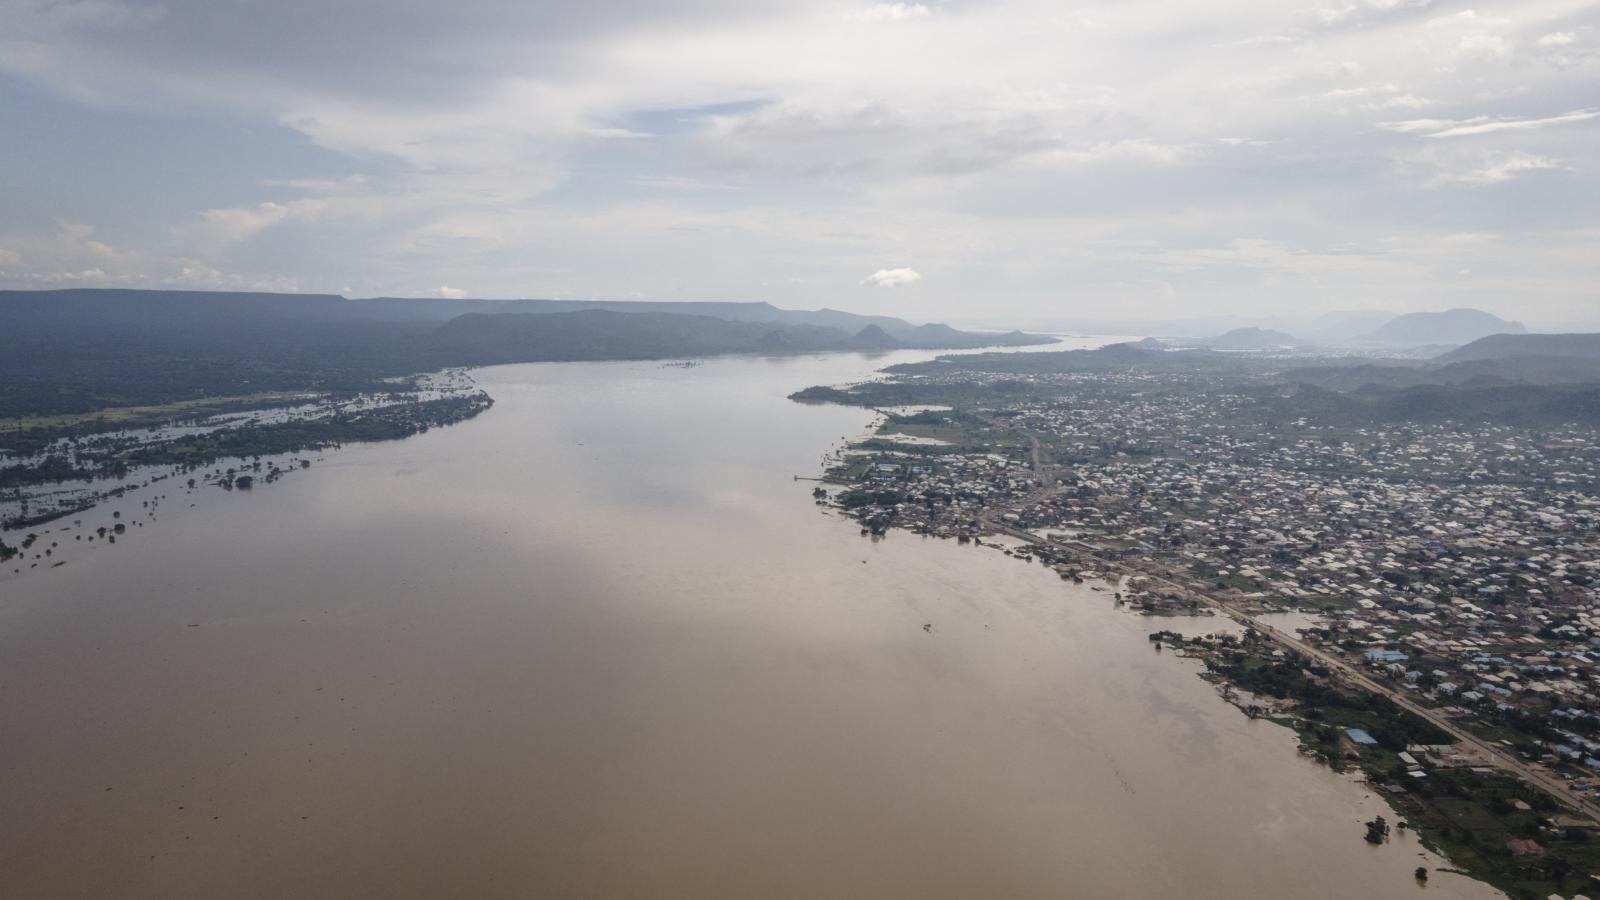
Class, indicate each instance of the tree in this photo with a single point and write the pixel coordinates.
(1422, 873)
(1377, 830)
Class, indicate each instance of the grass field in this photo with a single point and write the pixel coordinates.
(129, 415)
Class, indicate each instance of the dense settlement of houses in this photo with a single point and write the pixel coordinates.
(1461, 563)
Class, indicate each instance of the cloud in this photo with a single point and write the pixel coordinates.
(890, 12)
(236, 224)
(1448, 128)
(1498, 169)
(678, 183)
(73, 255)
(1375, 97)
(320, 185)
(888, 278)
(452, 293)
(1136, 150)
(580, 148)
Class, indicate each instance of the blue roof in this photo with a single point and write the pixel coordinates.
(1360, 736)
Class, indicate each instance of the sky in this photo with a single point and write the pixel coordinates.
(934, 160)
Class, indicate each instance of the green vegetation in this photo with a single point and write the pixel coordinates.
(383, 423)
(1490, 825)
(137, 416)
(115, 457)
(960, 429)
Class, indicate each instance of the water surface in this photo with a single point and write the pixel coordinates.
(597, 642)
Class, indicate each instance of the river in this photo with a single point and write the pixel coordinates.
(597, 642)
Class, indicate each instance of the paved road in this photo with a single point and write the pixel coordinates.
(1490, 754)
(1529, 772)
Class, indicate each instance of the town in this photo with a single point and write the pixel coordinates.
(1451, 566)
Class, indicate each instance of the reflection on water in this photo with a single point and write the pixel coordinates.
(597, 642)
(1293, 621)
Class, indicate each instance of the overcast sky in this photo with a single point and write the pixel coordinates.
(934, 160)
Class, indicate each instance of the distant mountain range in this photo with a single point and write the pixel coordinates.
(1340, 326)
(429, 309)
(201, 310)
(1510, 346)
(595, 334)
(1498, 382)
(82, 350)
(1355, 329)
(1254, 339)
(1449, 328)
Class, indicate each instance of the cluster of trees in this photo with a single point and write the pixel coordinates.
(855, 499)
(1291, 679)
(378, 424)
(113, 459)
(54, 469)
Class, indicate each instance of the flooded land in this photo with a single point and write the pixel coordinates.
(54, 467)
(597, 641)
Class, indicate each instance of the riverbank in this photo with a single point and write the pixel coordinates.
(1490, 825)
(49, 499)
(1156, 477)
(601, 622)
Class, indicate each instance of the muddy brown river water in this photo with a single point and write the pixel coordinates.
(598, 643)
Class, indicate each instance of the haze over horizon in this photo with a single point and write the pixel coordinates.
(1006, 161)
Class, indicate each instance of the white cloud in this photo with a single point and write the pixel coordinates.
(1138, 150)
(452, 293)
(890, 12)
(1447, 128)
(320, 185)
(1487, 44)
(888, 278)
(584, 148)
(1375, 97)
(1467, 18)
(236, 224)
(678, 183)
(1333, 15)
(72, 255)
(1498, 169)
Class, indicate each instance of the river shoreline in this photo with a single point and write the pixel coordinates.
(601, 623)
(1502, 820)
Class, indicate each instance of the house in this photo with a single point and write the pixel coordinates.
(1360, 736)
